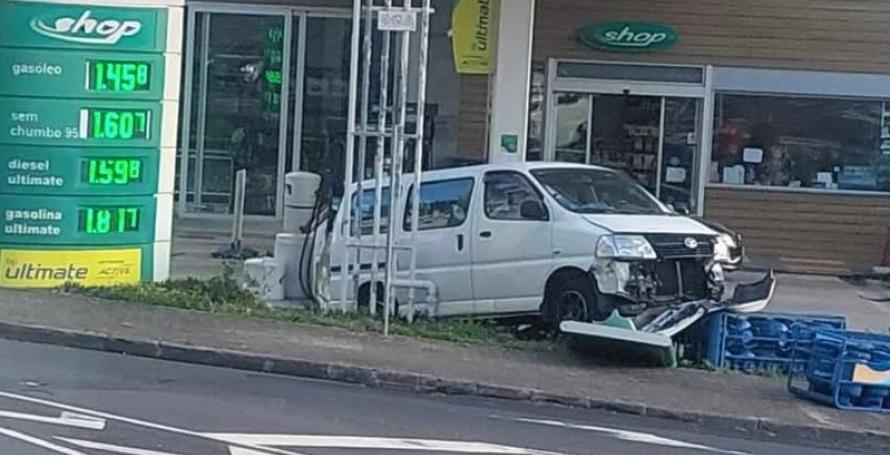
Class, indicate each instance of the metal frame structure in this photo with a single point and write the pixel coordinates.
(393, 128)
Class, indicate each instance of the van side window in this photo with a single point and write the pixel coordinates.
(367, 212)
(505, 191)
(443, 204)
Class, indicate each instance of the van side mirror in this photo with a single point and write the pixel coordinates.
(532, 210)
(680, 210)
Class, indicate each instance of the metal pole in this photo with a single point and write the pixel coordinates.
(418, 147)
(202, 109)
(186, 128)
(395, 184)
(350, 148)
(379, 156)
(363, 140)
(238, 218)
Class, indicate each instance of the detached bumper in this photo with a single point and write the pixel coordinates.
(658, 330)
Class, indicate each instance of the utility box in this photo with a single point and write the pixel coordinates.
(89, 100)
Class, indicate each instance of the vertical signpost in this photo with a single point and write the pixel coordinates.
(89, 99)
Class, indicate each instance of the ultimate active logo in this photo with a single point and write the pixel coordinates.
(86, 30)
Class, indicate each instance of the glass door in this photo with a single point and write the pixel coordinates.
(235, 122)
(653, 139)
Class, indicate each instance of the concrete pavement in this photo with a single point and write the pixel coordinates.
(720, 400)
(75, 402)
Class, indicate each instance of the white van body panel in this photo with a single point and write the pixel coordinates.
(503, 266)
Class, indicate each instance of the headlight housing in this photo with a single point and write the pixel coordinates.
(722, 246)
(612, 246)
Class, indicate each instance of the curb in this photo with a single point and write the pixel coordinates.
(419, 383)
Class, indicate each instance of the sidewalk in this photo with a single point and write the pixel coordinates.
(733, 401)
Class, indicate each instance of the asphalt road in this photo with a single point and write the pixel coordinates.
(65, 401)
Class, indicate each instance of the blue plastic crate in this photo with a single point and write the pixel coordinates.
(848, 370)
(759, 341)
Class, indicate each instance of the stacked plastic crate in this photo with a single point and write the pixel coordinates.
(760, 341)
(849, 370)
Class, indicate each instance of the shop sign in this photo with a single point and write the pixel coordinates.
(474, 35)
(628, 36)
(47, 25)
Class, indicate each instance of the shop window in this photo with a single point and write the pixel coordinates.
(830, 144)
(443, 204)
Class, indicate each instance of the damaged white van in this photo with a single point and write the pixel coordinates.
(567, 242)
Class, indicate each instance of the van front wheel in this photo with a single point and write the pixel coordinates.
(574, 300)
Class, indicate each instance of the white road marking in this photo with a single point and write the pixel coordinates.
(241, 451)
(39, 442)
(362, 442)
(70, 419)
(137, 422)
(112, 448)
(626, 435)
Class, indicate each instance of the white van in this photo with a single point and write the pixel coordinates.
(566, 241)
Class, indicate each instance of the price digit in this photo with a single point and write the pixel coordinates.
(135, 169)
(98, 132)
(125, 125)
(99, 77)
(142, 74)
(103, 221)
(111, 125)
(121, 173)
(128, 77)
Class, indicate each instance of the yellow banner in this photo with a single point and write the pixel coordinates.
(474, 35)
(50, 268)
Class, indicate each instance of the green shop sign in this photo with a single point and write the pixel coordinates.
(628, 36)
(76, 171)
(32, 121)
(28, 24)
(42, 220)
(80, 74)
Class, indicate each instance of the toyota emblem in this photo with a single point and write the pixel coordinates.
(690, 243)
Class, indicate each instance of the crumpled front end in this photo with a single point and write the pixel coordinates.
(684, 270)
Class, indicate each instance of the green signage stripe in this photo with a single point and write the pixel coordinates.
(64, 26)
(76, 74)
(29, 121)
(77, 171)
(42, 220)
(628, 36)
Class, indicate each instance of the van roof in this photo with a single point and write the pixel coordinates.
(460, 171)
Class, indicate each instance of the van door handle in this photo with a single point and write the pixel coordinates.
(460, 242)
(485, 234)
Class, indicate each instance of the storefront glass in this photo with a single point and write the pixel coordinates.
(830, 144)
(653, 139)
(236, 95)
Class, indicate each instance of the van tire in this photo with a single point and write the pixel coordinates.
(364, 296)
(573, 300)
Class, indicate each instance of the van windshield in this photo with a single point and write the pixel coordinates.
(597, 191)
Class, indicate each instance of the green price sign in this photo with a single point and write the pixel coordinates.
(108, 220)
(78, 171)
(114, 76)
(30, 121)
(62, 221)
(116, 124)
(79, 74)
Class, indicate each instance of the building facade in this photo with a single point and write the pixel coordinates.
(772, 117)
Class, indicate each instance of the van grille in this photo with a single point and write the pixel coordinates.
(673, 246)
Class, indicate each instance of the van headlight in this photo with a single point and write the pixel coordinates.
(624, 247)
(722, 246)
